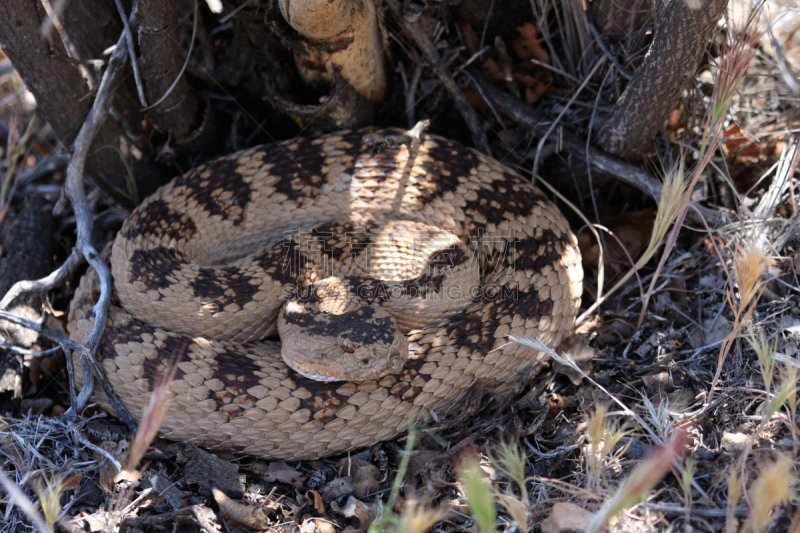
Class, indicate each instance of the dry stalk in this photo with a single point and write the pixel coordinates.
(733, 65)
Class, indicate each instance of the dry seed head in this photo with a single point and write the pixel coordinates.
(673, 191)
(734, 488)
(517, 508)
(152, 417)
(478, 493)
(770, 489)
(733, 63)
(749, 264)
(595, 425)
(603, 432)
(418, 517)
(782, 394)
(643, 478)
(789, 375)
(50, 499)
(511, 462)
(765, 353)
(687, 476)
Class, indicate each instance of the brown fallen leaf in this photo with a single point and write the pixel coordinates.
(72, 482)
(469, 37)
(317, 525)
(738, 142)
(119, 451)
(632, 232)
(364, 475)
(528, 46)
(246, 514)
(337, 488)
(280, 471)
(316, 501)
(356, 508)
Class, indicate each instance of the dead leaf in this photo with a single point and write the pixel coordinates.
(364, 475)
(246, 514)
(577, 346)
(632, 233)
(96, 522)
(317, 525)
(72, 482)
(280, 471)
(476, 101)
(338, 488)
(527, 46)
(555, 404)
(734, 442)
(658, 383)
(207, 471)
(316, 501)
(119, 451)
(716, 331)
(128, 476)
(357, 509)
(469, 37)
(738, 142)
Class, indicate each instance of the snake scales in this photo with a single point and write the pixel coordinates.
(242, 396)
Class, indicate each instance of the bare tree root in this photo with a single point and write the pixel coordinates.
(74, 191)
(342, 35)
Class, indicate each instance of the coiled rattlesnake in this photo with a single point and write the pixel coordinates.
(175, 263)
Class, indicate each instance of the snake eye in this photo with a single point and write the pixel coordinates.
(347, 345)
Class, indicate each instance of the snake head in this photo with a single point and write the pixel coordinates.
(357, 345)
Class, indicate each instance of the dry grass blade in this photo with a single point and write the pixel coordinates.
(152, 418)
(643, 478)
(770, 489)
(673, 193)
(749, 265)
(735, 60)
(18, 498)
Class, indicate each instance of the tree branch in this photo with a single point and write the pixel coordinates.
(74, 190)
(599, 161)
(681, 37)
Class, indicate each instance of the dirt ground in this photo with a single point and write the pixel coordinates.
(675, 416)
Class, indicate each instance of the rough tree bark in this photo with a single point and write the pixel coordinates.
(161, 62)
(681, 36)
(92, 27)
(27, 242)
(61, 89)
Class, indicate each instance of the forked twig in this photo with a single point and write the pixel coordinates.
(74, 191)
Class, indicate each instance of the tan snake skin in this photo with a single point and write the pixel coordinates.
(242, 396)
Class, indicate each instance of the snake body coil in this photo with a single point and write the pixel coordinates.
(175, 264)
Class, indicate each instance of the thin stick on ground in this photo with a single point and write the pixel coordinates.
(74, 191)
